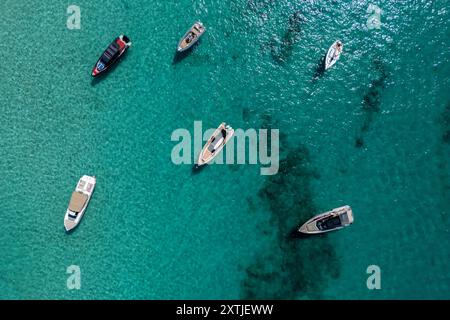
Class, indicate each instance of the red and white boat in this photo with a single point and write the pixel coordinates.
(115, 50)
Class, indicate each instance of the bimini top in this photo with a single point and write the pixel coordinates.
(111, 52)
(77, 201)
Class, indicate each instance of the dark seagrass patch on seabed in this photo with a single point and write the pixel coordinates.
(445, 123)
(371, 102)
(319, 68)
(282, 49)
(125, 5)
(443, 153)
(294, 267)
(247, 114)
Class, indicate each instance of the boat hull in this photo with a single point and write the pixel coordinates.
(206, 157)
(310, 227)
(182, 45)
(100, 67)
(86, 186)
(333, 55)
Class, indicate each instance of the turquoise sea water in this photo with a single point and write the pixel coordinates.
(373, 132)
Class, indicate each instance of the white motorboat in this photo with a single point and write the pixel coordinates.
(79, 202)
(332, 220)
(333, 54)
(215, 144)
(191, 37)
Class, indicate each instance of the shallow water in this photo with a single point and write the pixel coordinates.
(372, 132)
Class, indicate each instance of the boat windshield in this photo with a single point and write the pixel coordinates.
(73, 216)
(77, 201)
(191, 36)
(329, 223)
(218, 140)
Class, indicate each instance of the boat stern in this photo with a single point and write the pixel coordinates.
(125, 40)
(347, 217)
(89, 179)
(201, 27)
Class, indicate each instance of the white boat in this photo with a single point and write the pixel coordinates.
(215, 144)
(333, 54)
(332, 220)
(79, 202)
(191, 37)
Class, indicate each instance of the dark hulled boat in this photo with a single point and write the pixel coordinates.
(114, 51)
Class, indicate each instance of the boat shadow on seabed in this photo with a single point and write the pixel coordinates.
(179, 56)
(297, 235)
(197, 169)
(320, 69)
